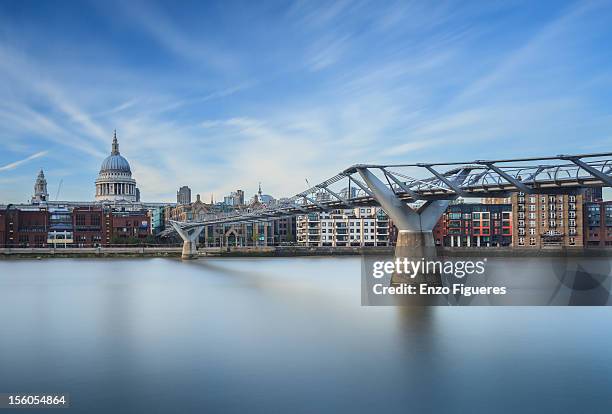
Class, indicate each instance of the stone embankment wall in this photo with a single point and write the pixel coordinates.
(292, 251)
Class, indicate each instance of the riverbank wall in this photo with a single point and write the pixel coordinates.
(291, 251)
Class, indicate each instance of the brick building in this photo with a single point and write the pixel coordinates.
(24, 227)
(598, 224)
(126, 226)
(89, 226)
(541, 220)
(475, 225)
(77, 226)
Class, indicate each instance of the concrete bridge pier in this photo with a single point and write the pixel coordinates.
(190, 239)
(415, 241)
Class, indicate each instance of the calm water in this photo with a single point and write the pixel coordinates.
(283, 335)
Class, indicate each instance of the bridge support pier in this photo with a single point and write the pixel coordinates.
(190, 240)
(415, 239)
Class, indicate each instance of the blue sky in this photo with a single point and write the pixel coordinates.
(222, 95)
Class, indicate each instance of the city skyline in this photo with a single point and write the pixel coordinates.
(223, 97)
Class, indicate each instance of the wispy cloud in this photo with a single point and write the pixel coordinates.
(220, 98)
(538, 45)
(326, 52)
(153, 21)
(15, 164)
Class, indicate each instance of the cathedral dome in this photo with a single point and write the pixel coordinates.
(115, 162)
(115, 182)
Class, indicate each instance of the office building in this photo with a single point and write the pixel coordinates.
(183, 195)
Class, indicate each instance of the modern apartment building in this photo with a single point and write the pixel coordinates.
(598, 224)
(496, 200)
(158, 223)
(364, 226)
(475, 225)
(541, 220)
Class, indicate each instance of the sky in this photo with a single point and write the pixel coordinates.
(224, 95)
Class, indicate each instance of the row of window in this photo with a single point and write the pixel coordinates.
(551, 223)
(543, 198)
(80, 220)
(532, 241)
(544, 216)
(351, 231)
(532, 207)
(331, 238)
(484, 215)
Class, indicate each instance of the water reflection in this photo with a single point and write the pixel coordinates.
(282, 335)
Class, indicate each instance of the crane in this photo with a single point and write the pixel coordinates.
(59, 188)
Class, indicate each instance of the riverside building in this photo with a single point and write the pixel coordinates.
(363, 226)
(598, 223)
(542, 220)
(475, 225)
(116, 216)
(71, 226)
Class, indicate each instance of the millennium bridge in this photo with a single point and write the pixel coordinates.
(414, 196)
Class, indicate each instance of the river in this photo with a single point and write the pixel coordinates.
(283, 335)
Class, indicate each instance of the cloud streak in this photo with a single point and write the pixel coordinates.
(220, 98)
(15, 164)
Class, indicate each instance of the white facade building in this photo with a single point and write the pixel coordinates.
(363, 226)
